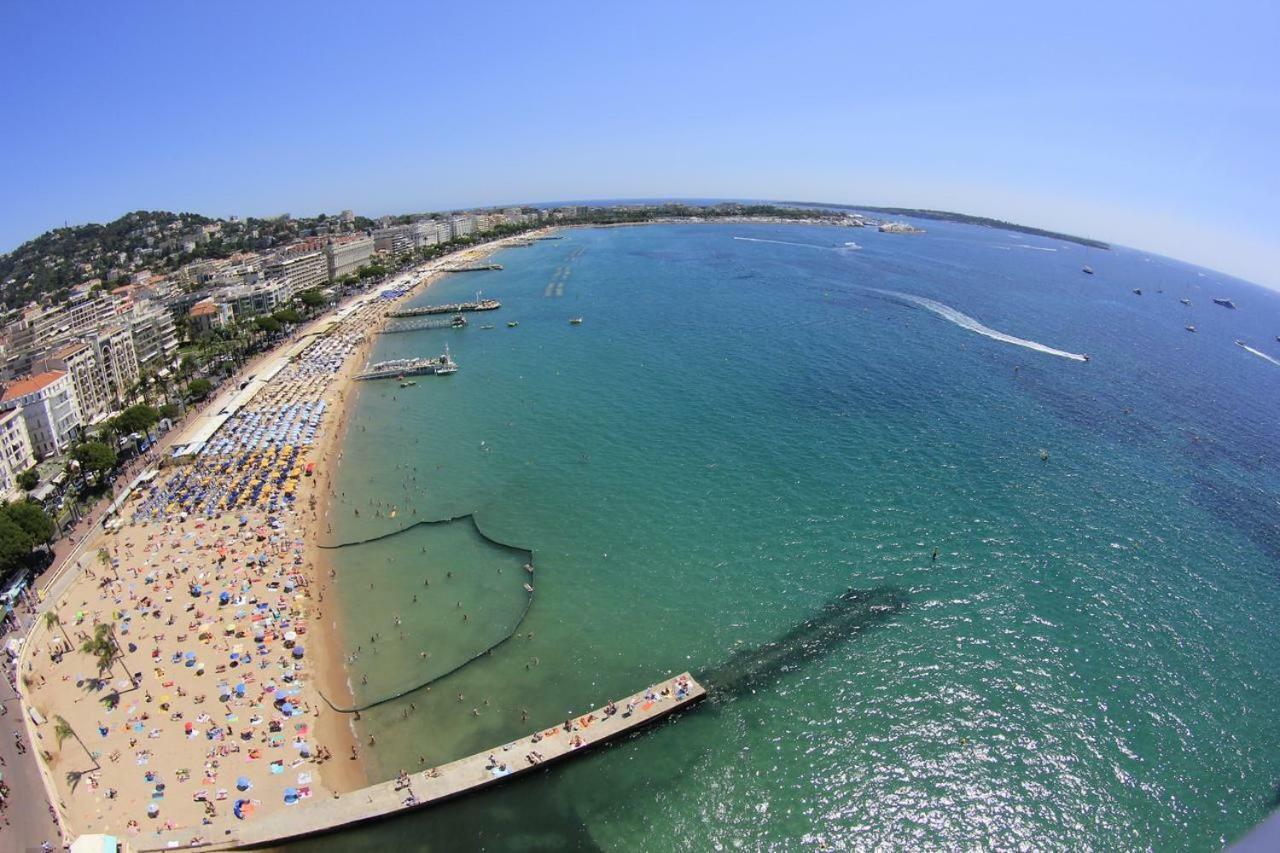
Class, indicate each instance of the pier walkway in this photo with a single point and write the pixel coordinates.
(473, 268)
(451, 308)
(312, 817)
(424, 322)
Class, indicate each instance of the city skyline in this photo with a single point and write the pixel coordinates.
(1133, 125)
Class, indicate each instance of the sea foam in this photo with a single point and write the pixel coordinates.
(1259, 354)
(786, 243)
(964, 321)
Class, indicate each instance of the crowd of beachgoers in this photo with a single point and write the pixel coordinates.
(257, 457)
(208, 710)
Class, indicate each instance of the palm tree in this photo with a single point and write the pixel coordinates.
(62, 730)
(102, 646)
(51, 618)
(104, 557)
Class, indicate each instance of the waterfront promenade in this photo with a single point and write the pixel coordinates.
(417, 790)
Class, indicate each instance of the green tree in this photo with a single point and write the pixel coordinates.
(29, 479)
(95, 457)
(15, 543)
(199, 388)
(62, 730)
(139, 418)
(311, 298)
(51, 619)
(102, 646)
(33, 521)
(270, 325)
(286, 315)
(172, 411)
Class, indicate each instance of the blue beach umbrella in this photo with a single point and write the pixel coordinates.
(243, 783)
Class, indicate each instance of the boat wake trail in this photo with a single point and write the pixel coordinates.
(786, 243)
(1032, 248)
(964, 321)
(1258, 353)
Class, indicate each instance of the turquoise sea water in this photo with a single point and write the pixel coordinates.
(742, 430)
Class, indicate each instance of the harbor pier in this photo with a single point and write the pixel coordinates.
(451, 308)
(425, 788)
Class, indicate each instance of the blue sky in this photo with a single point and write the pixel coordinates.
(1155, 125)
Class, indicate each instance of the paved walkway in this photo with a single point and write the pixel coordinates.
(310, 817)
(25, 820)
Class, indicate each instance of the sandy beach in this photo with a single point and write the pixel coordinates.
(219, 603)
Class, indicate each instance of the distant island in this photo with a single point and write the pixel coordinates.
(965, 218)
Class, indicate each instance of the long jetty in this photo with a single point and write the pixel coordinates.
(417, 325)
(451, 308)
(472, 268)
(422, 789)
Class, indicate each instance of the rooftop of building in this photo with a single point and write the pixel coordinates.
(31, 385)
(65, 352)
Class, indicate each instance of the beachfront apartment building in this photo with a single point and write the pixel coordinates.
(155, 338)
(462, 226)
(348, 254)
(38, 327)
(302, 270)
(114, 347)
(207, 315)
(396, 239)
(79, 360)
(49, 410)
(253, 300)
(426, 233)
(16, 455)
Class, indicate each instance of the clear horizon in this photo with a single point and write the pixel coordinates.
(1140, 125)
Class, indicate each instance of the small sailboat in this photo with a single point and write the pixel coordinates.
(1185, 301)
(1087, 270)
(1191, 328)
(1137, 291)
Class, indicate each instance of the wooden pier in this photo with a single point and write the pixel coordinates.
(313, 817)
(451, 308)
